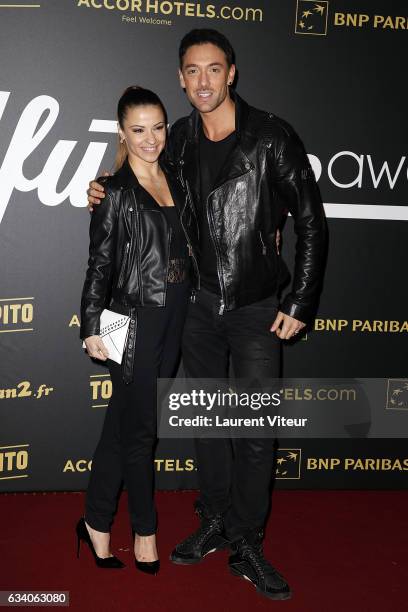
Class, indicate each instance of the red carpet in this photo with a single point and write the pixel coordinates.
(339, 550)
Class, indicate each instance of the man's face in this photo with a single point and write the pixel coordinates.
(205, 76)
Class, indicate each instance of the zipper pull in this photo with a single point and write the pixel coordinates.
(193, 296)
(222, 307)
(263, 244)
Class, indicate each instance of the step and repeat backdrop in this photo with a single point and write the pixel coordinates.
(333, 69)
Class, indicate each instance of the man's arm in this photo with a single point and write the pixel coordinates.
(298, 189)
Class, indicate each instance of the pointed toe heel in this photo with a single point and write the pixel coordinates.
(148, 567)
(83, 536)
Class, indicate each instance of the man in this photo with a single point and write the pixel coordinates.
(243, 169)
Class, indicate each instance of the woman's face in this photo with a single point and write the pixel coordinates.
(144, 131)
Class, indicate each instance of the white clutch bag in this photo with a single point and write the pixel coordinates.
(113, 331)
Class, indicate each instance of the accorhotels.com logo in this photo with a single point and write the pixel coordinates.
(161, 465)
(312, 18)
(145, 11)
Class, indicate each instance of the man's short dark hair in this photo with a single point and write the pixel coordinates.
(201, 36)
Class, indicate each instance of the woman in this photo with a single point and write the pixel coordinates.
(138, 265)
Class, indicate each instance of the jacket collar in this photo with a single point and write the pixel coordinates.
(127, 180)
(237, 164)
(241, 117)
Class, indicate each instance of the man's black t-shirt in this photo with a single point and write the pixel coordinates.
(212, 158)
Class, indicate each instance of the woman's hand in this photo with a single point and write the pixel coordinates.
(96, 348)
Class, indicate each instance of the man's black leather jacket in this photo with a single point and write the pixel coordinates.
(267, 174)
(129, 252)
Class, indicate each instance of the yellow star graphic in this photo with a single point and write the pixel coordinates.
(292, 456)
(280, 460)
(301, 24)
(306, 13)
(319, 9)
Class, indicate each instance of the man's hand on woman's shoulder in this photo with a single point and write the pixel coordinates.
(96, 193)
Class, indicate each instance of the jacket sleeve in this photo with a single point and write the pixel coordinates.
(103, 237)
(298, 189)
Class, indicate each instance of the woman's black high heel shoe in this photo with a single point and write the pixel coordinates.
(83, 535)
(148, 567)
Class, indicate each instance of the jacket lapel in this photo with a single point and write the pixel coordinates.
(237, 164)
(177, 193)
(189, 162)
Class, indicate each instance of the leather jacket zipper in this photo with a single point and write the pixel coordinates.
(190, 248)
(169, 232)
(193, 209)
(124, 263)
(219, 271)
(139, 265)
(187, 186)
(223, 301)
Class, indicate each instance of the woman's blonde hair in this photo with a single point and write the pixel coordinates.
(133, 96)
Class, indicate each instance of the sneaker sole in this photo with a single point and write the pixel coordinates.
(182, 561)
(275, 596)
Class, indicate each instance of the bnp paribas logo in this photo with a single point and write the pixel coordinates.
(397, 394)
(288, 463)
(311, 17)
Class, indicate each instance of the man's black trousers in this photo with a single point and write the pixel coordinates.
(234, 474)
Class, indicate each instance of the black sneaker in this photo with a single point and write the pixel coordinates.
(208, 538)
(248, 561)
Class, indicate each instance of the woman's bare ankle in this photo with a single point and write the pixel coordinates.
(145, 548)
(100, 541)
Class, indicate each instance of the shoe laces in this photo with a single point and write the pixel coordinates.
(255, 555)
(207, 526)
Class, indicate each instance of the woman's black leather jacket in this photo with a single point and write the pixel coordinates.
(129, 253)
